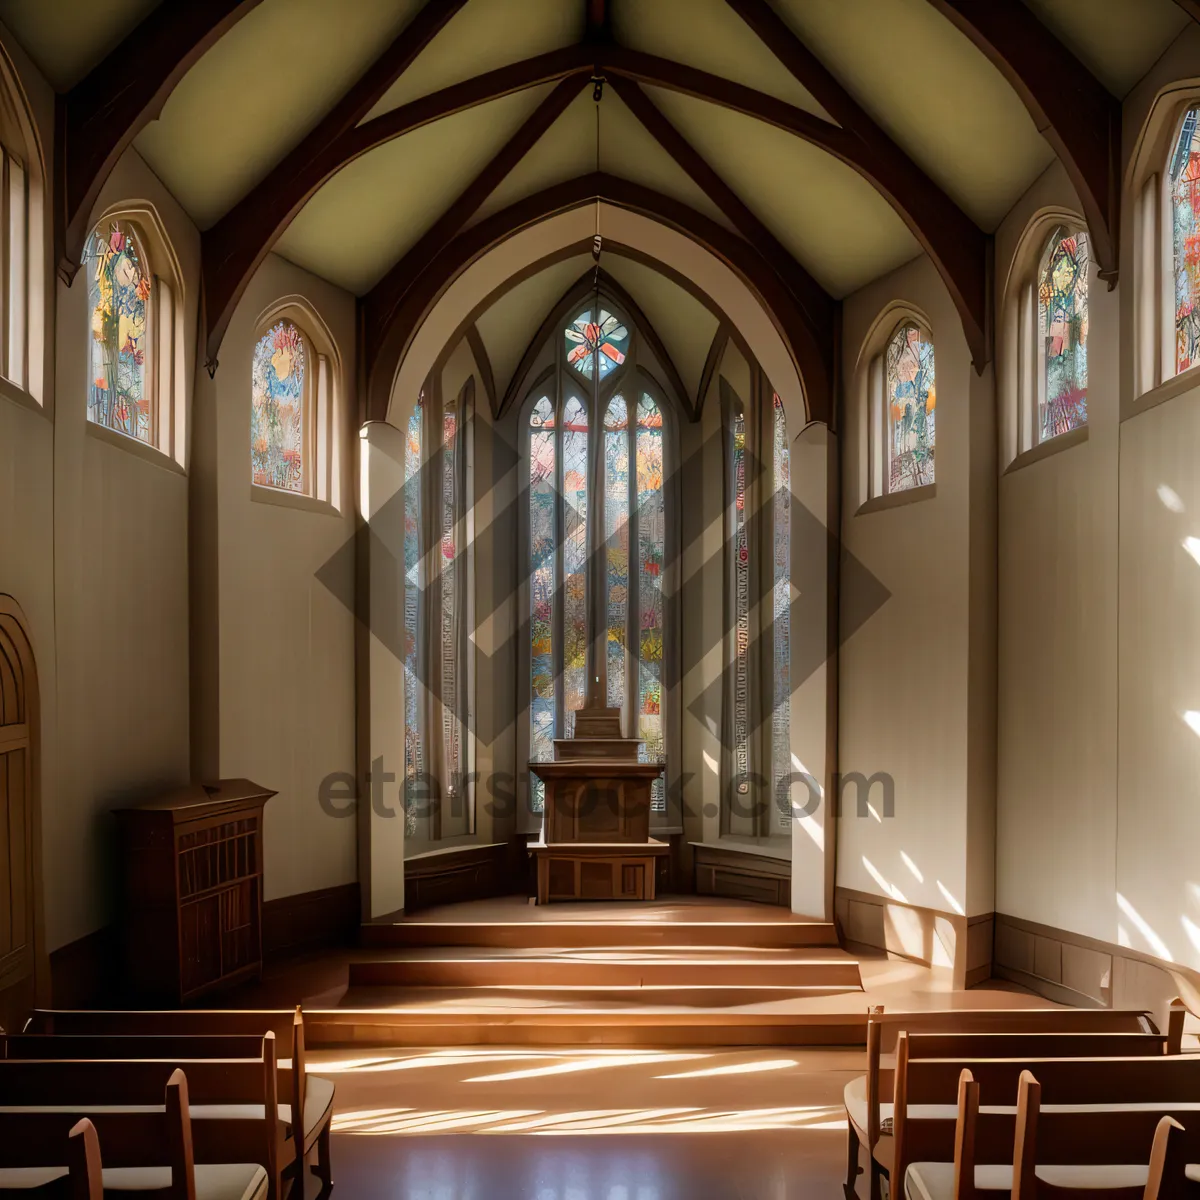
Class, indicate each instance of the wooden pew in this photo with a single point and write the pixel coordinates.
(868, 1097)
(234, 1101)
(310, 1096)
(53, 1152)
(1034, 1152)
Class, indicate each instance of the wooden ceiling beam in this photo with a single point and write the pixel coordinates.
(236, 245)
(1073, 111)
(100, 116)
(955, 244)
(817, 303)
(380, 301)
(1191, 7)
(393, 331)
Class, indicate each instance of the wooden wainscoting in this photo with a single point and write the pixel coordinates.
(925, 935)
(742, 875)
(1073, 969)
(454, 874)
(307, 921)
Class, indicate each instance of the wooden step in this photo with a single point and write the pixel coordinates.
(674, 967)
(780, 933)
(462, 1022)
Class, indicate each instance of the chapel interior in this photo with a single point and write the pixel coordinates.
(600, 599)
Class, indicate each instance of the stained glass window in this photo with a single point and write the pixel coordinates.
(277, 409)
(781, 723)
(1063, 329)
(543, 725)
(593, 340)
(449, 569)
(413, 757)
(616, 544)
(741, 610)
(911, 400)
(651, 551)
(119, 286)
(596, 519)
(575, 557)
(1185, 240)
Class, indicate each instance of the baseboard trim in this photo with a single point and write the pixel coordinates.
(929, 936)
(307, 921)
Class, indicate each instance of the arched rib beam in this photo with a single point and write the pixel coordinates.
(772, 322)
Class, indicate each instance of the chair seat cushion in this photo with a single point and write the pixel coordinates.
(935, 1181)
(224, 1181)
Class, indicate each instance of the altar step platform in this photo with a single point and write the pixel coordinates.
(676, 973)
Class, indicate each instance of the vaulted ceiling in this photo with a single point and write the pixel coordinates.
(836, 138)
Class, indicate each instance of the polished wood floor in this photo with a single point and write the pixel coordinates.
(643, 1122)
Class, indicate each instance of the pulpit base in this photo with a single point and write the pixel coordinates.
(597, 870)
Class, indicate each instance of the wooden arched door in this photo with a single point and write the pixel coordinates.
(19, 874)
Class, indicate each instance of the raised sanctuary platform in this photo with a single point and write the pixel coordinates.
(683, 971)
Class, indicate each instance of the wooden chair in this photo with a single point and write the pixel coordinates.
(234, 1117)
(309, 1095)
(868, 1098)
(148, 1149)
(1034, 1153)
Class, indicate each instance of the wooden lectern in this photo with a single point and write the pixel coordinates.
(596, 842)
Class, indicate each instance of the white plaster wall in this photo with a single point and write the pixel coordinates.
(286, 640)
(905, 696)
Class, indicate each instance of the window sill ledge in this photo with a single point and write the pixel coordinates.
(1047, 449)
(130, 445)
(926, 491)
(20, 397)
(294, 500)
(1169, 389)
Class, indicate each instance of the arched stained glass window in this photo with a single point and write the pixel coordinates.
(911, 400)
(591, 341)
(1185, 240)
(1063, 330)
(781, 643)
(277, 416)
(597, 524)
(119, 289)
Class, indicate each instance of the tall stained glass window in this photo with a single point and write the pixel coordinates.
(119, 288)
(781, 599)
(436, 582)
(911, 399)
(1063, 330)
(1185, 241)
(741, 608)
(597, 520)
(277, 420)
(543, 708)
(414, 765)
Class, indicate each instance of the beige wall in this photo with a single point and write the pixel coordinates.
(910, 704)
(285, 696)
(1057, 719)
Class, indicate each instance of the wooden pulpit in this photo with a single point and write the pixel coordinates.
(596, 842)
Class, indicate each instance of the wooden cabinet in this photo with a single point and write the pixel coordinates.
(193, 864)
